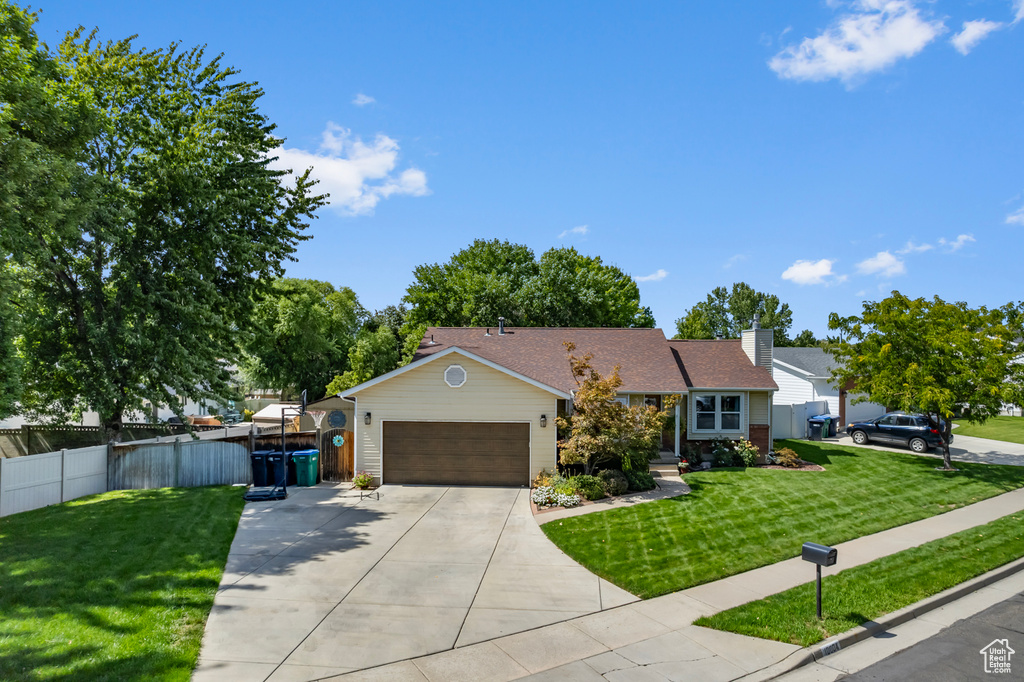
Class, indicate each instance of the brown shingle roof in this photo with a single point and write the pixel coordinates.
(646, 362)
(719, 364)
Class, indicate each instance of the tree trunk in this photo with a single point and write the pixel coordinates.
(946, 431)
(112, 429)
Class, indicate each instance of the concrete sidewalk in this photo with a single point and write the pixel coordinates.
(656, 639)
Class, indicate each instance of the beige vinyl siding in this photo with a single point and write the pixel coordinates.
(759, 407)
(421, 394)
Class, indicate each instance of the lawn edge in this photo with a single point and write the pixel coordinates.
(814, 653)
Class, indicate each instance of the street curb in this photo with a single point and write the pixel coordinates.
(814, 653)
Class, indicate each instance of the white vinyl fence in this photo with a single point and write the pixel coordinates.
(790, 421)
(36, 481)
(51, 478)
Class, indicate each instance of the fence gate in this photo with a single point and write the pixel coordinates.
(338, 460)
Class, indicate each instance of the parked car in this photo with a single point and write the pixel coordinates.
(897, 428)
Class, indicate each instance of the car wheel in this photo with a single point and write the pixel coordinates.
(918, 445)
(859, 437)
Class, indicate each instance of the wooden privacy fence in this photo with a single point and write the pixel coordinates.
(178, 465)
(40, 480)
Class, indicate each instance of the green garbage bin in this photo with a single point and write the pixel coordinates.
(305, 466)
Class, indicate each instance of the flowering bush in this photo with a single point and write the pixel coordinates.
(747, 452)
(546, 496)
(362, 480)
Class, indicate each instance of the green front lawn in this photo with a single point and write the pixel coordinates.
(864, 593)
(1009, 429)
(738, 519)
(115, 586)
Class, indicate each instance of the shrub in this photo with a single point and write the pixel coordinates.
(722, 451)
(747, 452)
(787, 458)
(362, 480)
(615, 482)
(543, 478)
(640, 480)
(247, 415)
(590, 487)
(693, 455)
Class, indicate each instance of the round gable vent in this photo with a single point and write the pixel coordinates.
(455, 376)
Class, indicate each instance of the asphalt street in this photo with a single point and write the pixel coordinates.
(955, 654)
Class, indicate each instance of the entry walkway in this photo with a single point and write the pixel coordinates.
(656, 639)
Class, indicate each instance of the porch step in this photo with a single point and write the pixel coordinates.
(672, 468)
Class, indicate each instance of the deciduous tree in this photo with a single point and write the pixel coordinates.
(931, 356)
(141, 283)
(302, 331)
(727, 313)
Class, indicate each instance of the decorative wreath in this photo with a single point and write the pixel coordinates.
(338, 441)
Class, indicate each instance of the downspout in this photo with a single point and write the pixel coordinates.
(355, 433)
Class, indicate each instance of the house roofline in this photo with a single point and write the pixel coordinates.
(448, 351)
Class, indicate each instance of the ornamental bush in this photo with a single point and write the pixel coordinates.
(615, 482)
(747, 452)
(590, 487)
(640, 480)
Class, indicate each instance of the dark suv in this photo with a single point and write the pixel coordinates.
(897, 428)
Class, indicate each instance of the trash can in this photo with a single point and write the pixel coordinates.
(277, 468)
(829, 423)
(814, 425)
(305, 466)
(260, 474)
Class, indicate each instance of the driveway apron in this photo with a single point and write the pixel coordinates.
(326, 582)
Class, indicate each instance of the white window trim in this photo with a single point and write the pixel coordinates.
(718, 395)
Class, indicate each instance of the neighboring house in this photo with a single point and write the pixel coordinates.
(477, 406)
(804, 375)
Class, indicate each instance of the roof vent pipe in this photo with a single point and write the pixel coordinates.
(431, 340)
(757, 321)
(501, 326)
(488, 332)
(718, 337)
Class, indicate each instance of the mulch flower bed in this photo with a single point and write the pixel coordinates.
(804, 466)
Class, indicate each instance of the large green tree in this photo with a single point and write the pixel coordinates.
(139, 286)
(727, 313)
(302, 331)
(492, 279)
(374, 353)
(931, 356)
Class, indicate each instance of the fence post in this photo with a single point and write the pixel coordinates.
(110, 466)
(2, 460)
(177, 460)
(63, 465)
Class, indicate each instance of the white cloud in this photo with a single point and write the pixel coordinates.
(653, 277)
(1018, 10)
(811, 272)
(1016, 218)
(581, 230)
(733, 260)
(911, 247)
(872, 37)
(883, 263)
(973, 33)
(362, 100)
(957, 243)
(356, 174)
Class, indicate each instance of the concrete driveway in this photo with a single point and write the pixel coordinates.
(963, 449)
(325, 582)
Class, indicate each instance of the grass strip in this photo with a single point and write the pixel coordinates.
(863, 593)
(115, 586)
(1005, 428)
(735, 520)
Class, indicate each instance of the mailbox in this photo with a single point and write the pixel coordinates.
(819, 554)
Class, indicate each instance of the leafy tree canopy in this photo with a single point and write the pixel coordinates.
(163, 222)
(492, 279)
(727, 313)
(302, 331)
(604, 433)
(374, 353)
(931, 356)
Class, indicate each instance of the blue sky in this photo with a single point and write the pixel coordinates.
(826, 151)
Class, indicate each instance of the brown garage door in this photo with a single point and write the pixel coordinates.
(457, 453)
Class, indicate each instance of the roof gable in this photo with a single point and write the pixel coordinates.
(449, 351)
(646, 362)
(720, 364)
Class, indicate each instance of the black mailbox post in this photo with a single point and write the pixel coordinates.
(822, 556)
